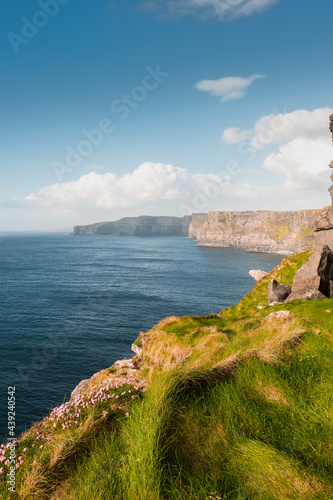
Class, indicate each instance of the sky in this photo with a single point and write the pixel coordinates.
(118, 108)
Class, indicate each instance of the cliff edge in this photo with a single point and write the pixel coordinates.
(260, 231)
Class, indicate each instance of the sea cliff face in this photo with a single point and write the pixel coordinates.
(197, 223)
(139, 226)
(261, 231)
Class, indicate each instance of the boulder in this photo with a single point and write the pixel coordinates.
(325, 221)
(312, 281)
(257, 274)
(306, 280)
(313, 295)
(277, 292)
(325, 263)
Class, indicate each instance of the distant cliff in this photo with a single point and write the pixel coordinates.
(260, 231)
(139, 226)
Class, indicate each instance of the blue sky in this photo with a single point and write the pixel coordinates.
(225, 106)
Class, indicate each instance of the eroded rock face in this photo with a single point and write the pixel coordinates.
(325, 221)
(312, 281)
(306, 280)
(197, 223)
(262, 231)
(325, 271)
(277, 292)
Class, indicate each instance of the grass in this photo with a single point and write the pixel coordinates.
(239, 407)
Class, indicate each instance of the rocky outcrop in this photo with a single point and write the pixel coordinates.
(122, 371)
(139, 226)
(262, 231)
(307, 280)
(257, 274)
(277, 292)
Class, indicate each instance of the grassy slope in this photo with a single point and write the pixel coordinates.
(239, 407)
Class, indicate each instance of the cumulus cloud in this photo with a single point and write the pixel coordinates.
(234, 135)
(223, 10)
(304, 147)
(228, 88)
(303, 163)
(148, 184)
(279, 127)
(300, 180)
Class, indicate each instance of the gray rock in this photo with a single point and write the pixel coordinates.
(257, 274)
(279, 314)
(277, 292)
(312, 281)
(80, 388)
(325, 263)
(313, 295)
(306, 280)
(325, 221)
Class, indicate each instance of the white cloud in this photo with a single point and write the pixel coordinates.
(235, 135)
(150, 183)
(228, 88)
(279, 127)
(303, 163)
(296, 177)
(304, 152)
(223, 10)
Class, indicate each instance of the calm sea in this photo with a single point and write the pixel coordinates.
(71, 306)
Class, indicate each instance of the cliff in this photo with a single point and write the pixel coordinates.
(139, 226)
(261, 231)
(197, 223)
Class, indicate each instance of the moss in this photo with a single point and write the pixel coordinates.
(138, 342)
(305, 233)
(277, 231)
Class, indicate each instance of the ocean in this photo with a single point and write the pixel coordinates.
(72, 305)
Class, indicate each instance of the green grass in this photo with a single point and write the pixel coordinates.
(239, 407)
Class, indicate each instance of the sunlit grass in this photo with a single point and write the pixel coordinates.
(239, 407)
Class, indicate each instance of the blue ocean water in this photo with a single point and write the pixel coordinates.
(72, 305)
